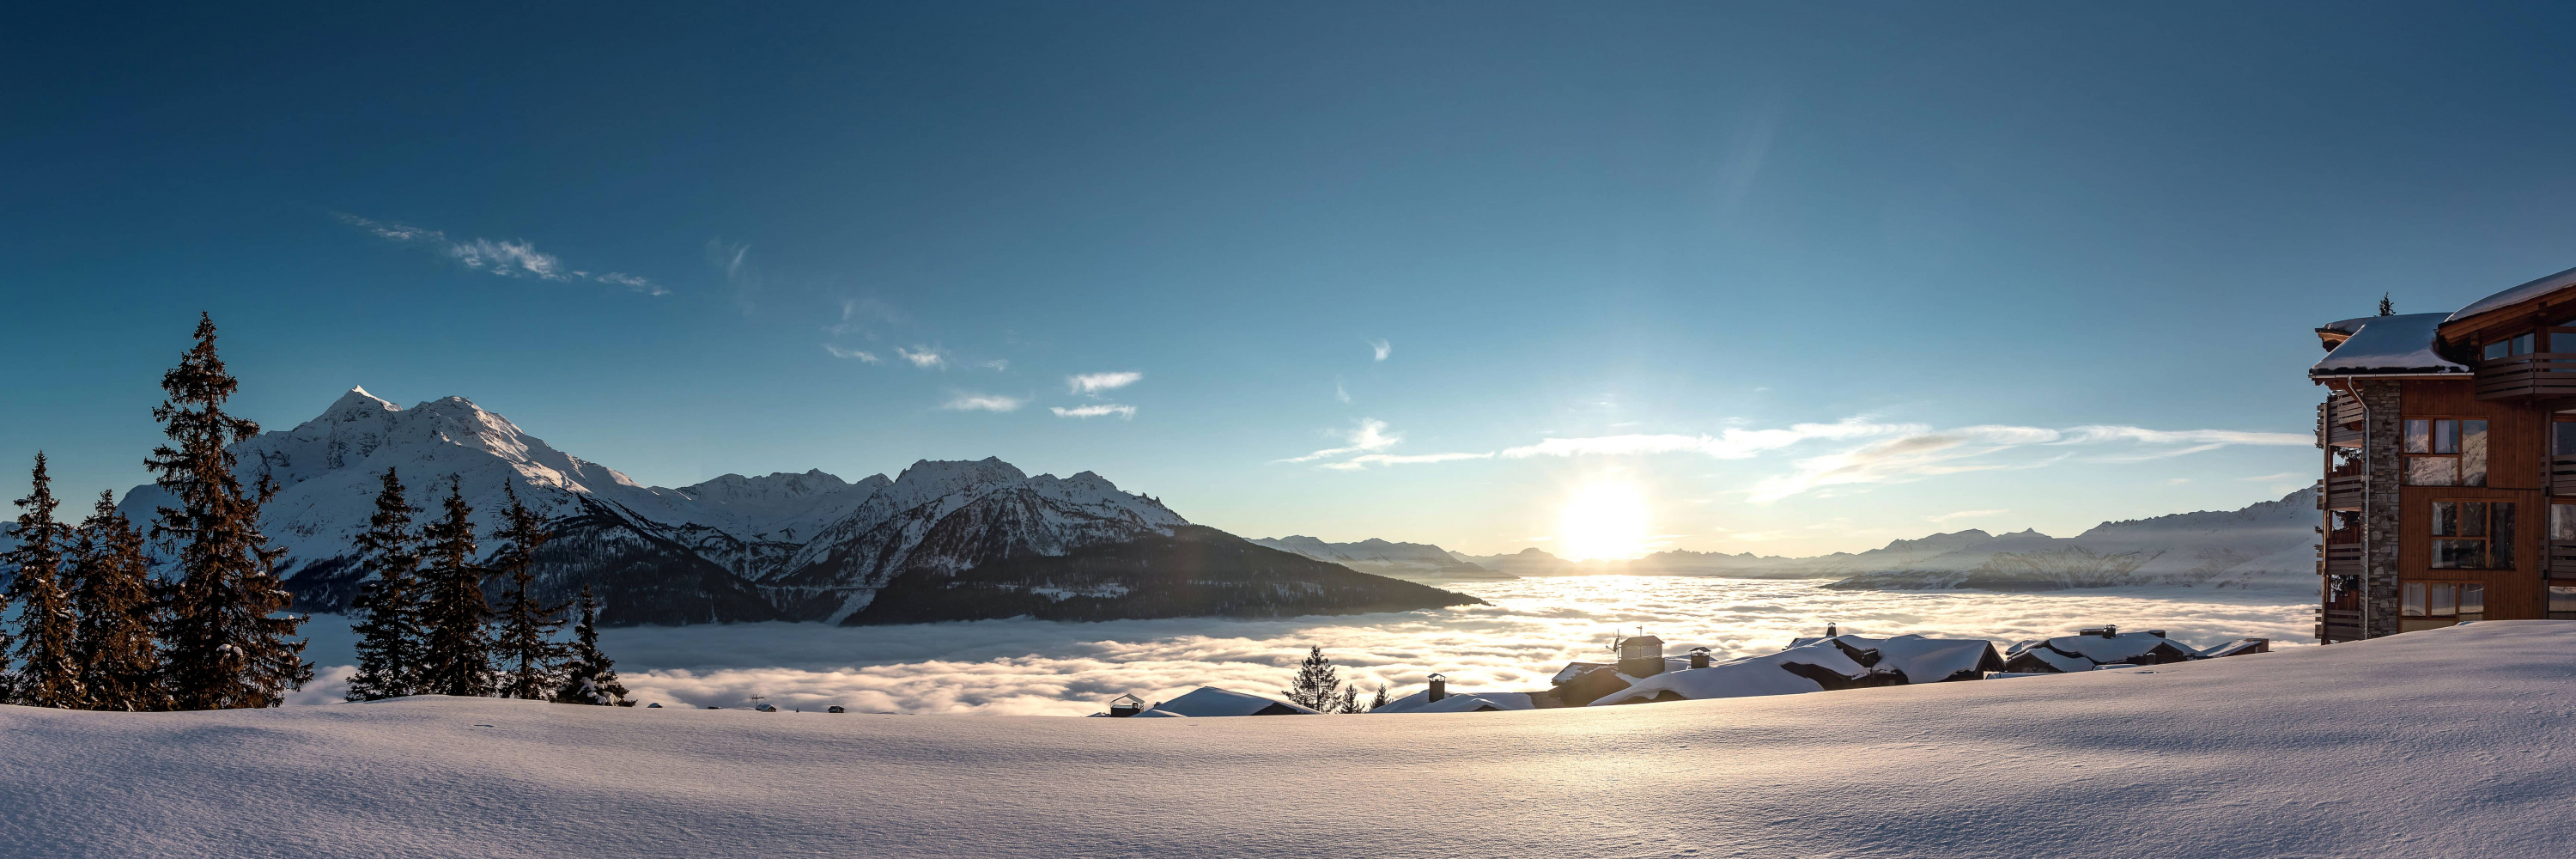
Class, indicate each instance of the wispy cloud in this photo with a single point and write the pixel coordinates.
(971, 402)
(2286, 475)
(995, 364)
(924, 357)
(1381, 349)
(741, 276)
(838, 352)
(1732, 443)
(858, 314)
(1339, 393)
(498, 257)
(1368, 435)
(1095, 410)
(1094, 383)
(1962, 514)
(1365, 460)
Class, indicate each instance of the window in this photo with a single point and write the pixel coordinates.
(2504, 348)
(2446, 452)
(2562, 522)
(2562, 438)
(2460, 600)
(2472, 535)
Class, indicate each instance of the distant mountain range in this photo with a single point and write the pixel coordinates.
(941, 541)
(2267, 543)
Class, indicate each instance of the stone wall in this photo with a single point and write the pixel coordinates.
(2381, 440)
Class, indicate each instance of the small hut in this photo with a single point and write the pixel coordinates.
(1641, 656)
(1124, 706)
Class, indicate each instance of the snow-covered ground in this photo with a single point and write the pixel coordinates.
(1533, 628)
(2450, 743)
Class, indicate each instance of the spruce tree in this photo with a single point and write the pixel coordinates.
(524, 648)
(227, 644)
(456, 652)
(389, 632)
(591, 678)
(1318, 683)
(2385, 308)
(113, 595)
(1379, 701)
(48, 632)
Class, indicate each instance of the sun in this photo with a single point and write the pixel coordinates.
(1602, 520)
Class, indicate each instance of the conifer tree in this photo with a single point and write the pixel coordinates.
(227, 644)
(48, 632)
(389, 632)
(456, 651)
(524, 648)
(112, 593)
(1318, 683)
(1379, 701)
(591, 678)
(2385, 308)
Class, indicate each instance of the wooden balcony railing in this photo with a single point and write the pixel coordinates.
(2546, 375)
(2343, 491)
(2561, 562)
(2562, 475)
(2339, 625)
(2342, 559)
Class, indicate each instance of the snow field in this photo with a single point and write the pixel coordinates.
(2450, 743)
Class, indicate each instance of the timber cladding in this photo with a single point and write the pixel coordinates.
(2517, 470)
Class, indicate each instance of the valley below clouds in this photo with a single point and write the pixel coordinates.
(1532, 628)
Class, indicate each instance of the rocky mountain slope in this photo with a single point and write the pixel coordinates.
(1401, 560)
(784, 546)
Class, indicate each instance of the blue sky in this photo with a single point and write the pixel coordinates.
(1942, 239)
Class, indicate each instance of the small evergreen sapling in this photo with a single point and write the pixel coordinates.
(524, 646)
(591, 677)
(456, 651)
(2385, 308)
(228, 646)
(49, 672)
(1318, 684)
(389, 633)
(113, 596)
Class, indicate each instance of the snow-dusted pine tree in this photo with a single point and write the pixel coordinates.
(388, 628)
(2385, 308)
(456, 651)
(48, 672)
(524, 649)
(227, 644)
(112, 592)
(591, 677)
(1318, 683)
(1379, 701)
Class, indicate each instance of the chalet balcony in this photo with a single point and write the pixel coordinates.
(2541, 376)
(2342, 559)
(2343, 491)
(2562, 475)
(2561, 563)
(2339, 422)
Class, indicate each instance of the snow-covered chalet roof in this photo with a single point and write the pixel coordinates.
(1920, 659)
(1208, 701)
(2517, 295)
(2390, 346)
(1457, 702)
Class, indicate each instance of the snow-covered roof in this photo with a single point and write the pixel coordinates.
(2118, 648)
(1207, 701)
(1158, 714)
(1919, 659)
(2348, 326)
(2389, 345)
(2518, 295)
(1457, 702)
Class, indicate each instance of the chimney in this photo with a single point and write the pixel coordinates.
(1830, 633)
(1699, 657)
(1439, 688)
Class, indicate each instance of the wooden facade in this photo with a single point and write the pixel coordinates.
(2461, 505)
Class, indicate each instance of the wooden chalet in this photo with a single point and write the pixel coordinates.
(2449, 447)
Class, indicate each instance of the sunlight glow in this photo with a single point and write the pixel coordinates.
(1603, 520)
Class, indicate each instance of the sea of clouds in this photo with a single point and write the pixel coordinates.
(1533, 627)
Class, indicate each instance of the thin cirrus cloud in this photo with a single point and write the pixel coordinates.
(1091, 384)
(963, 401)
(501, 258)
(1963, 514)
(1095, 410)
(925, 357)
(857, 354)
(1884, 453)
(1380, 349)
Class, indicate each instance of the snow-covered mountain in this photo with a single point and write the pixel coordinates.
(783, 546)
(1402, 560)
(2266, 543)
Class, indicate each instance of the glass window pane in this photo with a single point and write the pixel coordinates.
(2562, 341)
(2414, 600)
(2446, 436)
(2565, 441)
(2562, 521)
(2419, 436)
(2562, 598)
(2494, 350)
(2442, 604)
(2446, 518)
(2473, 519)
(2522, 345)
(2459, 554)
(2473, 599)
(2473, 453)
(2432, 471)
(2500, 538)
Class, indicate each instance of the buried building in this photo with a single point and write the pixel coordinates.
(1820, 664)
(2095, 648)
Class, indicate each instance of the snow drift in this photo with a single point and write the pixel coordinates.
(2448, 743)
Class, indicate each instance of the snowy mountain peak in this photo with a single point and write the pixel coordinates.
(357, 405)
